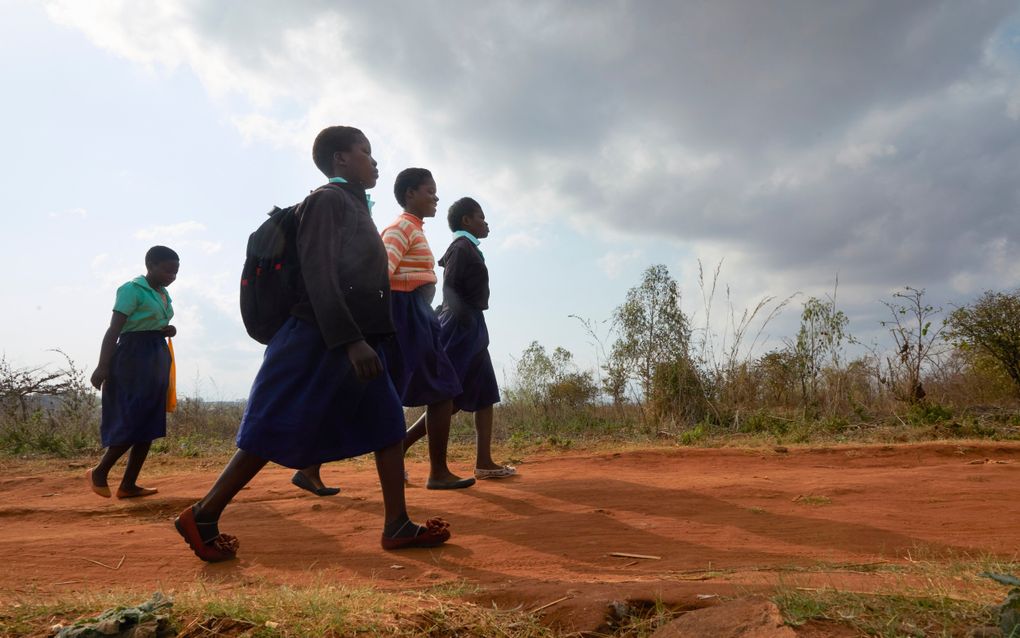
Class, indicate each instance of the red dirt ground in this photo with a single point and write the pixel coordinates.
(722, 521)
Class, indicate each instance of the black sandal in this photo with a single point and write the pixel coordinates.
(305, 483)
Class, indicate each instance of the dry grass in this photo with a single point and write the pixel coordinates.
(264, 611)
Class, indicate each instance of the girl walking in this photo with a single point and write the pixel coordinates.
(464, 334)
(418, 365)
(323, 392)
(134, 373)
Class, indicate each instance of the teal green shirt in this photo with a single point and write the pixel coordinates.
(471, 238)
(368, 198)
(144, 307)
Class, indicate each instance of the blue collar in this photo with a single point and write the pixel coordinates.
(471, 238)
(368, 198)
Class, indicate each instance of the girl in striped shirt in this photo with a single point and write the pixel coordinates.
(421, 371)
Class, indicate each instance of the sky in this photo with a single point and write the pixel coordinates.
(795, 143)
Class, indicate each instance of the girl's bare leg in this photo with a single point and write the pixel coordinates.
(139, 452)
(483, 433)
(416, 431)
(110, 457)
(241, 469)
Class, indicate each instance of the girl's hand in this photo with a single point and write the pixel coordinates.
(169, 331)
(365, 361)
(98, 377)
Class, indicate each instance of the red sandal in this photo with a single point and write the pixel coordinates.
(434, 532)
(222, 547)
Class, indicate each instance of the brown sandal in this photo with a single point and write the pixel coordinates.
(434, 532)
(103, 491)
(142, 491)
(222, 547)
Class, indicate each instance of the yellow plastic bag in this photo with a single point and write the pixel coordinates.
(171, 389)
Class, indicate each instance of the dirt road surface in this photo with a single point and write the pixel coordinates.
(719, 520)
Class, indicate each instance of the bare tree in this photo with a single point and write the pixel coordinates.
(915, 338)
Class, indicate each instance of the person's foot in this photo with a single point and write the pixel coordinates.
(404, 534)
(96, 485)
(204, 537)
(313, 484)
(135, 491)
(449, 481)
(497, 472)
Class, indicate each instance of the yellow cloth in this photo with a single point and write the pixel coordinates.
(171, 389)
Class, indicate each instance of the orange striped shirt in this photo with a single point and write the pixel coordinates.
(410, 258)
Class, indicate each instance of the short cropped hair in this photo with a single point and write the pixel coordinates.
(159, 254)
(463, 207)
(331, 140)
(409, 179)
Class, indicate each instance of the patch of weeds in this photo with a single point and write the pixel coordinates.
(808, 499)
(191, 445)
(833, 424)
(639, 618)
(884, 616)
(556, 442)
(519, 440)
(928, 413)
(453, 589)
(764, 423)
(445, 619)
(42, 434)
(692, 436)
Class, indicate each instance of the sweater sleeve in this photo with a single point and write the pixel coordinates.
(397, 245)
(319, 241)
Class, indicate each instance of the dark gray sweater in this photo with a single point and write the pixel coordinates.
(343, 266)
(465, 278)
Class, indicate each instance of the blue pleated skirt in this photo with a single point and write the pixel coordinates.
(466, 341)
(134, 394)
(307, 406)
(419, 367)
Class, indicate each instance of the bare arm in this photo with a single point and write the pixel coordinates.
(117, 322)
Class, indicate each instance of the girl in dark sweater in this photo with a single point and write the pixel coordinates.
(464, 334)
(323, 393)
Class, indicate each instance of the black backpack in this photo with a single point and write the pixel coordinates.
(271, 277)
(271, 282)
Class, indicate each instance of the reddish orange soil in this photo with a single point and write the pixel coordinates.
(722, 521)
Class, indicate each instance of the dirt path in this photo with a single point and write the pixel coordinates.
(721, 521)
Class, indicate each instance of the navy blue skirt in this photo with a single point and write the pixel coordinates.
(307, 406)
(134, 394)
(466, 341)
(419, 367)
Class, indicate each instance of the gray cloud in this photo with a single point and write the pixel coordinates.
(874, 139)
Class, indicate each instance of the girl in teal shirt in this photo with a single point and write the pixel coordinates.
(134, 373)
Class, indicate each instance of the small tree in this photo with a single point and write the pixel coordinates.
(19, 386)
(990, 325)
(819, 343)
(532, 374)
(547, 381)
(652, 328)
(915, 339)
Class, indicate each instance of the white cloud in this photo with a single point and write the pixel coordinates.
(172, 231)
(79, 213)
(521, 241)
(613, 262)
